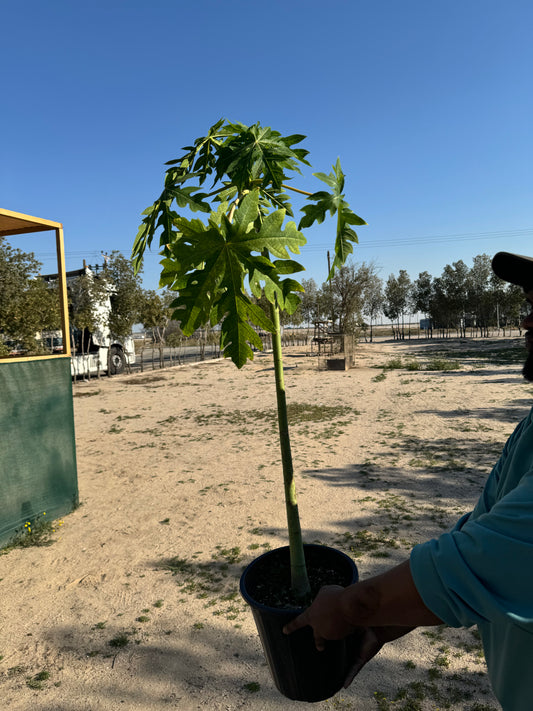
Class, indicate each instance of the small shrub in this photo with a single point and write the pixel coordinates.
(253, 687)
(34, 533)
(36, 682)
(121, 640)
(442, 364)
(394, 364)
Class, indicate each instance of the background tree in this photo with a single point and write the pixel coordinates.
(453, 296)
(42, 309)
(397, 300)
(28, 305)
(511, 306)
(373, 300)
(312, 304)
(174, 335)
(346, 288)
(126, 293)
(421, 295)
(481, 299)
(155, 312)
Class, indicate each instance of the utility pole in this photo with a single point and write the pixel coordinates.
(331, 293)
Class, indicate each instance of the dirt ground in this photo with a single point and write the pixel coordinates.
(135, 604)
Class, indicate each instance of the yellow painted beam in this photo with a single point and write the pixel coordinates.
(14, 223)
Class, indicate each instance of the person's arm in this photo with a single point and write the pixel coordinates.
(387, 600)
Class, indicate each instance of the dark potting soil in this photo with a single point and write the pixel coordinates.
(271, 583)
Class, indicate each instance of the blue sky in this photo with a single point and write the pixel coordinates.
(427, 104)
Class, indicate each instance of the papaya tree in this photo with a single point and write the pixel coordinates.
(222, 265)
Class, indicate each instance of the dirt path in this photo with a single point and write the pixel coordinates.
(135, 604)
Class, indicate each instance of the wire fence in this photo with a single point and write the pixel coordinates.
(157, 357)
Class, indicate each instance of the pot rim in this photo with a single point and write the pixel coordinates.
(293, 610)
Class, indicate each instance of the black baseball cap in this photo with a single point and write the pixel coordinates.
(514, 268)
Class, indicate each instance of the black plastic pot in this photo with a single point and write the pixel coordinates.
(299, 670)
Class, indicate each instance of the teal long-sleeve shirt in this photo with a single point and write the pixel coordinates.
(481, 572)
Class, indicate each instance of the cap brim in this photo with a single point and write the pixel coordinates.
(514, 268)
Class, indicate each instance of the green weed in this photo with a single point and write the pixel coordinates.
(215, 581)
(394, 364)
(253, 687)
(36, 681)
(442, 364)
(379, 377)
(377, 545)
(121, 640)
(36, 532)
(297, 414)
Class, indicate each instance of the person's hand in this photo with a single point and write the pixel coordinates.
(367, 642)
(331, 618)
(324, 616)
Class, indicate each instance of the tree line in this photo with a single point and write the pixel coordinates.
(462, 299)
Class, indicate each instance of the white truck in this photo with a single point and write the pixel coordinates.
(98, 351)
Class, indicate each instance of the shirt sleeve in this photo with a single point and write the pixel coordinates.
(482, 570)
(489, 496)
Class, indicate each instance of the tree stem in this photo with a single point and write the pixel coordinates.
(299, 579)
(296, 190)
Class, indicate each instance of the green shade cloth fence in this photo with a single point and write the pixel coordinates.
(37, 446)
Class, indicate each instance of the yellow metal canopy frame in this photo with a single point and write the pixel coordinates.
(16, 223)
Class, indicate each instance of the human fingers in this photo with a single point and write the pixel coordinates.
(303, 621)
(319, 610)
(297, 624)
(367, 645)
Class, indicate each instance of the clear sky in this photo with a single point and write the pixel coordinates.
(428, 104)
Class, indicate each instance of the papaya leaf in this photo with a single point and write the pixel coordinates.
(142, 241)
(208, 265)
(255, 152)
(292, 301)
(333, 203)
(346, 236)
(272, 237)
(287, 266)
(184, 197)
(274, 198)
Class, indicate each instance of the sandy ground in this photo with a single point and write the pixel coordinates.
(179, 477)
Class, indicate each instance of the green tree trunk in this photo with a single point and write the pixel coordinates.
(299, 579)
